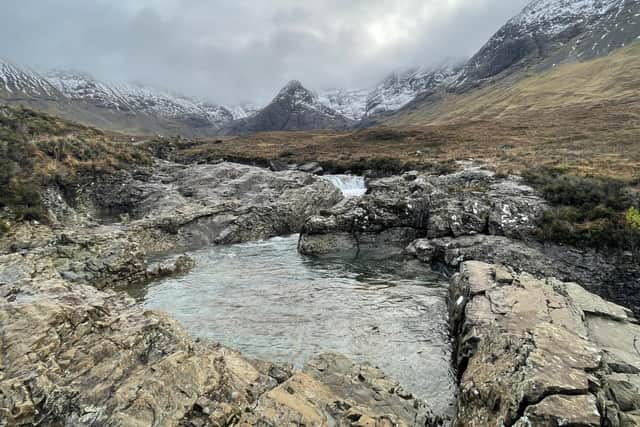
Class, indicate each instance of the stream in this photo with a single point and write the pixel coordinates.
(268, 301)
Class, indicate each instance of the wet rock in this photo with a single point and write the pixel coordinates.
(535, 352)
(311, 167)
(463, 203)
(172, 266)
(332, 390)
(593, 270)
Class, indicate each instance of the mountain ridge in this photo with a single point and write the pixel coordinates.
(544, 34)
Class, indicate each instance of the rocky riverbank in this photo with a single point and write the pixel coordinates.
(468, 215)
(541, 352)
(531, 350)
(76, 355)
(76, 352)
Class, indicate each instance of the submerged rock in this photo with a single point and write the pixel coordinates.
(540, 352)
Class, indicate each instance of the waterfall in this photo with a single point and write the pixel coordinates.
(350, 185)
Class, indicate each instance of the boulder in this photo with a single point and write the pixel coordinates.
(540, 352)
(76, 355)
(311, 167)
(463, 203)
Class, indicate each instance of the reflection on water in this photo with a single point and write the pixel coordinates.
(268, 301)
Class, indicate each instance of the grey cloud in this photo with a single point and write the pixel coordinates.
(245, 50)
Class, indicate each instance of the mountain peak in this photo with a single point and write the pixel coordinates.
(295, 93)
(550, 32)
(553, 16)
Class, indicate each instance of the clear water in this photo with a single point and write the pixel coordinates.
(268, 301)
(351, 185)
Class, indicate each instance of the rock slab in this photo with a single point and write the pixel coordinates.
(540, 352)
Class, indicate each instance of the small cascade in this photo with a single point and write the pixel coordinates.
(350, 185)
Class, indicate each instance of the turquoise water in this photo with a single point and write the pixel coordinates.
(268, 301)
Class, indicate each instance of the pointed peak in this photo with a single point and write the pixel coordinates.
(292, 87)
(296, 93)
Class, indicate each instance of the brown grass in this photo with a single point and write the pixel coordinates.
(583, 118)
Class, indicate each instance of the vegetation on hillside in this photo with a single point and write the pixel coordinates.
(37, 150)
(587, 211)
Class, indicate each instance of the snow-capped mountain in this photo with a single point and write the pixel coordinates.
(293, 108)
(140, 99)
(544, 34)
(17, 82)
(394, 92)
(550, 32)
(124, 100)
(402, 87)
(242, 111)
(350, 103)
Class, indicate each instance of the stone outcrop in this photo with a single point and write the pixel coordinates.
(73, 351)
(75, 355)
(400, 209)
(198, 205)
(332, 390)
(540, 352)
(106, 235)
(610, 278)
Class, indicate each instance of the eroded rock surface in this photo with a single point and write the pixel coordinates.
(616, 281)
(75, 352)
(400, 209)
(332, 390)
(71, 354)
(534, 352)
(198, 205)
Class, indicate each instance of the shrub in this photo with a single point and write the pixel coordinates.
(37, 151)
(586, 211)
(632, 217)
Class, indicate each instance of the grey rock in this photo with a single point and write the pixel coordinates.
(593, 270)
(468, 202)
(311, 167)
(530, 352)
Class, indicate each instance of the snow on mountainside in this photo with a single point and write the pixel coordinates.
(550, 32)
(21, 82)
(554, 16)
(391, 94)
(349, 103)
(137, 98)
(294, 108)
(243, 110)
(402, 87)
(65, 86)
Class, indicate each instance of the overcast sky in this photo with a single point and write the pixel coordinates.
(233, 51)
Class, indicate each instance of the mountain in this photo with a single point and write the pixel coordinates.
(122, 107)
(551, 32)
(352, 104)
(544, 35)
(294, 108)
(401, 87)
(16, 84)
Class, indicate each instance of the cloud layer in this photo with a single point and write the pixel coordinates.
(233, 51)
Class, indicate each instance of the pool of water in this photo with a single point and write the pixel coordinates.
(268, 301)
